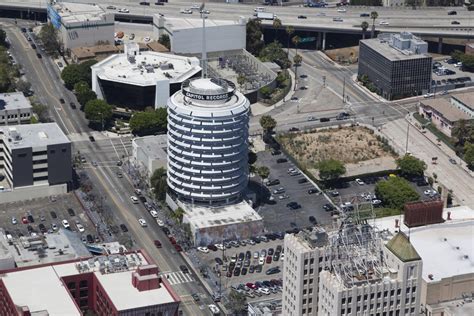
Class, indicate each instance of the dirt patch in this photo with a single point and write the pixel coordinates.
(351, 145)
(347, 55)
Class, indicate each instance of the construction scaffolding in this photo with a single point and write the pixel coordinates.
(356, 254)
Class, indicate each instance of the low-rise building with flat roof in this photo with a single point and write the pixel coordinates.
(14, 109)
(81, 24)
(149, 153)
(122, 284)
(397, 65)
(186, 34)
(445, 114)
(137, 80)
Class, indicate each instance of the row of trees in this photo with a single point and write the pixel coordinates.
(8, 71)
(466, 59)
(463, 137)
(149, 122)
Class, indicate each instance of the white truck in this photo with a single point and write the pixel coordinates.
(266, 16)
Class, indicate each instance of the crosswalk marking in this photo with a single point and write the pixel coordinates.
(177, 277)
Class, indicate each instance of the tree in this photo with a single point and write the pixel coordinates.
(49, 37)
(296, 40)
(254, 42)
(23, 86)
(373, 16)
(457, 55)
(5, 78)
(3, 37)
(289, 31)
(75, 73)
(275, 53)
(463, 132)
(364, 26)
(165, 41)
(411, 166)
(268, 123)
(263, 172)
(148, 123)
(395, 192)
(331, 169)
(41, 111)
(276, 25)
(84, 93)
(469, 155)
(178, 214)
(297, 62)
(266, 92)
(159, 184)
(237, 303)
(98, 112)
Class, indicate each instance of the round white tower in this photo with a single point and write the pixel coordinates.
(208, 142)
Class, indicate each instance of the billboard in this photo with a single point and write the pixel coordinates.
(54, 17)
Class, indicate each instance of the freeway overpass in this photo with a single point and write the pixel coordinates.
(425, 22)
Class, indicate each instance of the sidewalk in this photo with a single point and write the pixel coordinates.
(260, 108)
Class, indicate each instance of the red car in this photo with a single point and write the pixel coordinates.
(178, 248)
(269, 259)
(157, 244)
(172, 240)
(24, 220)
(251, 286)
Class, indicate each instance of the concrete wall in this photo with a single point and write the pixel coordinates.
(22, 167)
(449, 289)
(32, 192)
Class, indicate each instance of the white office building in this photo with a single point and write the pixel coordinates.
(14, 109)
(350, 272)
(149, 154)
(81, 24)
(208, 142)
(186, 34)
(137, 80)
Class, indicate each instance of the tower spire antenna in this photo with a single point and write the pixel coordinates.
(204, 52)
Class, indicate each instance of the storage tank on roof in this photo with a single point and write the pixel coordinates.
(208, 142)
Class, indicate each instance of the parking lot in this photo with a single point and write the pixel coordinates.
(276, 215)
(448, 75)
(251, 274)
(46, 215)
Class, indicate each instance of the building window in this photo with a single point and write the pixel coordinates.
(83, 303)
(71, 285)
(83, 283)
(83, 293)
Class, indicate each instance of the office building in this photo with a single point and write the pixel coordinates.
(137, 79)
(446, 114)
(122, 284)
(186, 34)
(149, 153)
(208, 142)
(14, 109)
(397, 65)
(35, 155)
(350, 272)
(81, 24)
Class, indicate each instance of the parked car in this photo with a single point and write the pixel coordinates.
(142, 222)
(313, 191)
(282, 160)
(123, 228)
(273, 270)
(359, 181)
(66, 224)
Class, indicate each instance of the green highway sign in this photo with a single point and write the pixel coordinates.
(307, 39)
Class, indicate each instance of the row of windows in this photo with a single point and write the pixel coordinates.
(25, 115)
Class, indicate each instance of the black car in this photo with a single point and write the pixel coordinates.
(273, 270)
(33, 46)
(244, 271)
(71, 212)
(455, 23)
(342, 116)
(30, 228)
(53, 214)
(195, 296)
(90, 239)
(142, 199)
(183, 268)
(23, 29)
(219, 261)
(421, 183)
(313, 191)
(271, 251)
(364, 15)
(61, 100)
(303, 76)
(258, 269)
(328, 207)
(236, 271)
(295, 207)
(123, 228)
(159, 3)
(165, 230)
(91, 138)
(291, 204)
(276, 152)
(294, 129)
(302, 180)
(282, 160)
(73, 105)
(30, 218)
(273, 182)
(144, 3)
(241, 256)
(452, 13)
(312, 220)
(42, 228)
(324, 119)
(39, 55)
(302, 17)
(248, 255)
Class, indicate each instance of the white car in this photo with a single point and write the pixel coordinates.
(250, 242)
(124, 10)
(214, 309)
(430, 192)
(14, 221)
(384, 23)
(142, 222)
(134, 199)
(186, 11)
(54, 227)
(138, 192)
(65, 223)
(291, 170)
(261, 261)
(359, 181)
(203, 249)
(256, 255)
(342, 10)
(146, 39)
(376, 202)
(160, 222)
(428, 95)
(80, 228)
(264, 290)
(284, 197)
(220, 246)
(154, 214)
(311, 118)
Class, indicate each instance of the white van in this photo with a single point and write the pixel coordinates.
(259, 9)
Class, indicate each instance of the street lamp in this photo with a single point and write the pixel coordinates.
(408, 132)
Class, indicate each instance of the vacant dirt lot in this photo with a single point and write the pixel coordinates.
(351, 145)
(344, 55)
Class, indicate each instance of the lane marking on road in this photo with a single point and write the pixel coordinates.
(112, 143)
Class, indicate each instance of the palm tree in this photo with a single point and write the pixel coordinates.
(289, 30)
(297, 61)
(177, 215)
(364, 25)
(296, 40)
(276, 25)
(373, 15)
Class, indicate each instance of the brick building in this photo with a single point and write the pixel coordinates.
(111, 285)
